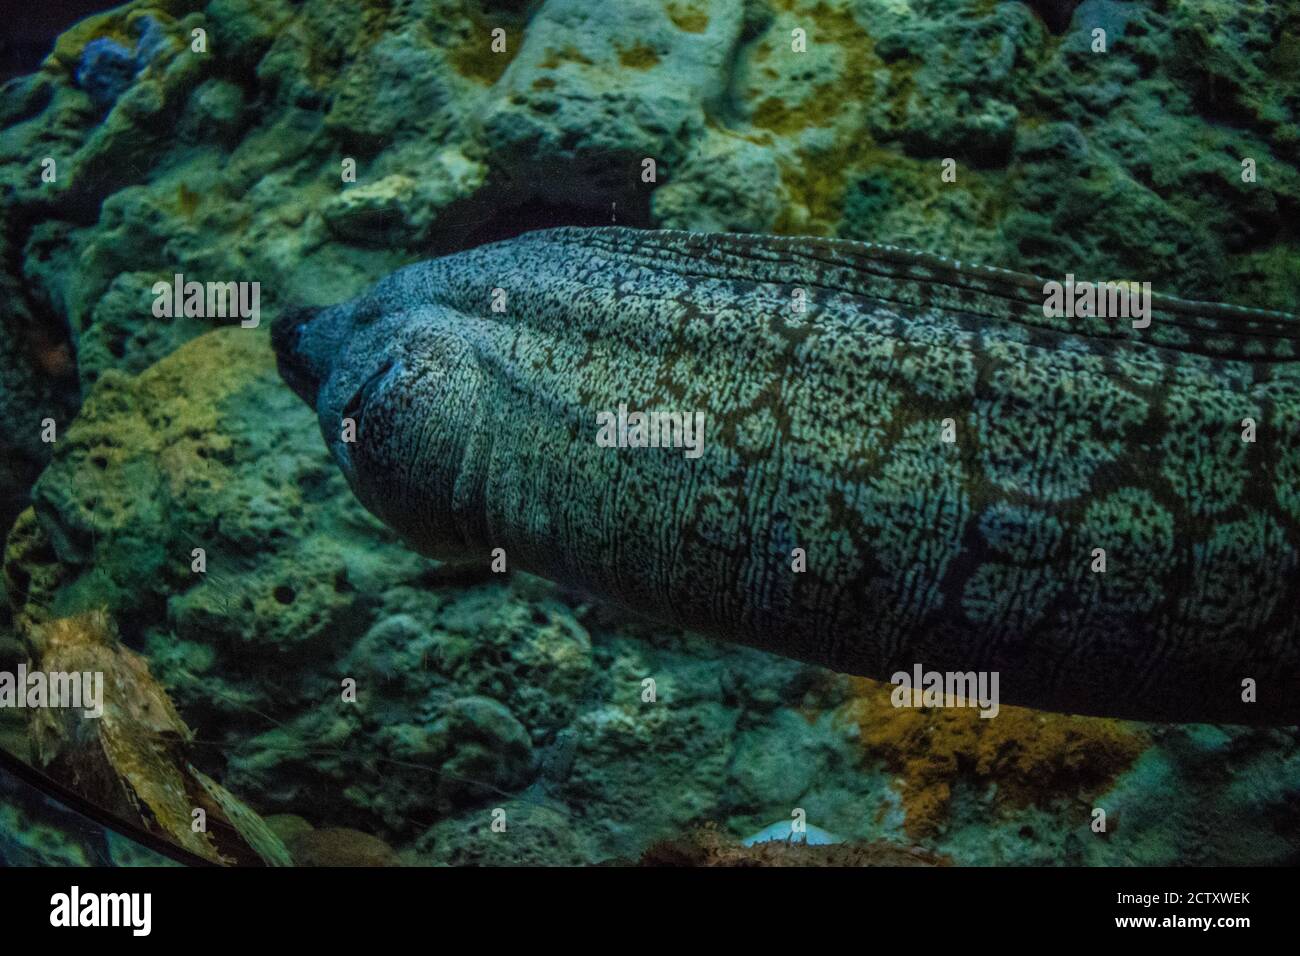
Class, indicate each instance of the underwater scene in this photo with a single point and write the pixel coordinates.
(651, 432)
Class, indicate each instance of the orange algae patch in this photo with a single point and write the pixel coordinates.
(638, 57)
(569, 54)
(828, 99)
(687, 18)
(817, 182)
(474, 58)
(1031, 756)
(187, 201)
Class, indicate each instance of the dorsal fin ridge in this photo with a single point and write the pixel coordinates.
(927, 280)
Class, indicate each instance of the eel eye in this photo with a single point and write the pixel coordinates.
(367, 388)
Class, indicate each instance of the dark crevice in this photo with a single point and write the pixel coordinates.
(30, 30)
(507, 222)
(1057, 14)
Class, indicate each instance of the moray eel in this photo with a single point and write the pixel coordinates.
(904, 461)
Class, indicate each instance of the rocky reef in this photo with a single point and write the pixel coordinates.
(379, 707)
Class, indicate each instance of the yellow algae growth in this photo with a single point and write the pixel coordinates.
(1032, 757)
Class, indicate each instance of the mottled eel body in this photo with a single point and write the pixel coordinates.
(476, 429)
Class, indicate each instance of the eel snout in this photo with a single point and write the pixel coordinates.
(294, 364)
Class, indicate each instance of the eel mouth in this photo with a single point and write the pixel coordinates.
(286, 337)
